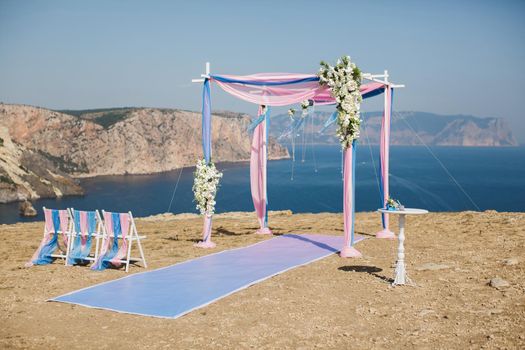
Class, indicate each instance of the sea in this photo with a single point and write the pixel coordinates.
(433, 178)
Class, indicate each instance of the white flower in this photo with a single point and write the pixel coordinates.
(205, 185)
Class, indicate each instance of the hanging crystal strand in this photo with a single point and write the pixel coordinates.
(304, 141)
(312, 137)
(293, 148)
(342, 164)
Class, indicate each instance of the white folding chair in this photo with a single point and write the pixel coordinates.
(55, 232)
(86, 226)
(120, 227)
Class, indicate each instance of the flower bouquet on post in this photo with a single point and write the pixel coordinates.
(205, 186)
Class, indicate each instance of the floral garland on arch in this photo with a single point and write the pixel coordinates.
(344, 80)
(205, 186)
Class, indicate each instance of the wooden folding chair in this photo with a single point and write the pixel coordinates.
(86, 226)
(119, 233)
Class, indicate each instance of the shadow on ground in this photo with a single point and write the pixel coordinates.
(371, 270)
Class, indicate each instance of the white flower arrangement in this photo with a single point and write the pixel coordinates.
(205, 185)
(394, 204)
(344, 80)
(304, 106)
(291, 113)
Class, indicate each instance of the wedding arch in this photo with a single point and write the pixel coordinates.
(343, 86)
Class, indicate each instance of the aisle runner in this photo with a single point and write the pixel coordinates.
(175, 290)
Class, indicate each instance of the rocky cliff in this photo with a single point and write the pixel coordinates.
(413, 128)
(27, 174)
(120, 141)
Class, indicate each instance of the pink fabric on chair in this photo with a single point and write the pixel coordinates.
(64, 227)
(83, 227)
(123, 249)
(108, 223)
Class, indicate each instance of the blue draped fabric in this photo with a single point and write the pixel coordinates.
(258, 120)
(263, 83)
(78, 253)
(206, 121)
(372, 93)
(44, 256)
(105, 261)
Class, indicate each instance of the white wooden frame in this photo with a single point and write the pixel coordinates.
(73, 234)
(131, 236)
(69, 228)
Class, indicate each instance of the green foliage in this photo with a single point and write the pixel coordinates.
(6, 179)
(108, 119)
(103, 116)
(81, 112)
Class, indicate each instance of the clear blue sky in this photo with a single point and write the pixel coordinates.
(454, 56)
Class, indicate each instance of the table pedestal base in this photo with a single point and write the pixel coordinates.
(401, 277)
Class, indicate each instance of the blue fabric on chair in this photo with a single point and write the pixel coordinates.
(44, 257)
(79, 252)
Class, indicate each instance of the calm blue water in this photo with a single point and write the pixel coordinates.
(493, 177)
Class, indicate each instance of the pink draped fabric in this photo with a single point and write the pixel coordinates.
(348, 183)
(206, 234)
(123, 249)
(258, 172)
(83, 227)
(348, 250)
(324, 95)
(48, 214)
(64, 228)
(108, 222)
(281, 95)
(384, 155)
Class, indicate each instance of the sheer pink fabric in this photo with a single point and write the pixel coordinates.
(64, 228)
(324, 95)
(281, 95)
(83, 227)
(271, 95)
(123, 249)
(384, 151)
(258, 171)
(108, 222)
(348, 183)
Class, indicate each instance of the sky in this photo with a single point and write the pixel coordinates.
(455, 57)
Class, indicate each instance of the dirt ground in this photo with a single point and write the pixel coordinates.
(333, 303)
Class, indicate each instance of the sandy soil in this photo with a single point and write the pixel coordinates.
(333, 303)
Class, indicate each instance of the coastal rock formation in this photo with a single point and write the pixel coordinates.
(26, 174)
(112, 142)
(27, 209)
(414, 128)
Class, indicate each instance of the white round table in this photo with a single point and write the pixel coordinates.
(400, 276)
